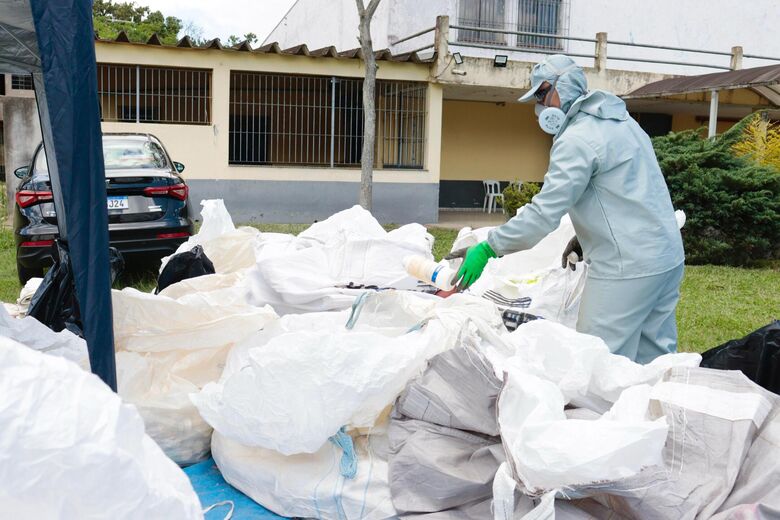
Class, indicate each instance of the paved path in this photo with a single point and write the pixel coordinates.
(473, 219)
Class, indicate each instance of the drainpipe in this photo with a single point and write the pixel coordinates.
(713, 114)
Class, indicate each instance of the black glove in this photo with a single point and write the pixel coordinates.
(572, 247)
(458, 253)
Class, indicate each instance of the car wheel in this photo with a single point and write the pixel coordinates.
(25, 273)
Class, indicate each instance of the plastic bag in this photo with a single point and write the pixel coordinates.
(757, 355)
(72, 449)
(55, 303)
(183, 266)
(532, 281)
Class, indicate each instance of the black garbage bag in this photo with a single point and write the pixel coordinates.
(757, 355)
(54, 303)
(189, 264)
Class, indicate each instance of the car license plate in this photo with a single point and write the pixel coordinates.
(118, 203)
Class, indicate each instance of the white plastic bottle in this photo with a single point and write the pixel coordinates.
(428, 271)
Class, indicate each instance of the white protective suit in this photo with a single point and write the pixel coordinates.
(604, 173)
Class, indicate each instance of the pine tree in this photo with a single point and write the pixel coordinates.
(732, 204)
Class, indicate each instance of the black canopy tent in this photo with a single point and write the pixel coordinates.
(53, 40)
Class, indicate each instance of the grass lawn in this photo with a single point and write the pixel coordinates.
(717, 303)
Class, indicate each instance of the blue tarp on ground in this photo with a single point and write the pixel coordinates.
(53, 40)
(212, 488)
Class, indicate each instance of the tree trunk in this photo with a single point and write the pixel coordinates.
(369, 103)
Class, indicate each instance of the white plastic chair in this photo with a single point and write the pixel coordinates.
(492, 192)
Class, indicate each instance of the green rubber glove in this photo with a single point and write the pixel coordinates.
(473, 264)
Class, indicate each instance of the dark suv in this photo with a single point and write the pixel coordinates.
(148, 206)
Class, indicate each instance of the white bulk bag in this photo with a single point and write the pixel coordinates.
(310, 485)
(320, 269)
(299, 388)
(37, 336)
(228, 248)
(69, 448)
(168, 348)
(551, 452)
(580, 365)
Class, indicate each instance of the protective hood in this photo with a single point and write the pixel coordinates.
(597, 103)
(560, 70)
(601, 104)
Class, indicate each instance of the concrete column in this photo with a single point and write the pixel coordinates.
(601, 52)
(220, 110)
(21, 134)
(736, 58)
(442, 36)
(713, 127)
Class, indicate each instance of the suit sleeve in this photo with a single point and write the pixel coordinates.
(572, 163)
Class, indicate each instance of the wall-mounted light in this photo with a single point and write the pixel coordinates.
(458, 58)
(500, 60)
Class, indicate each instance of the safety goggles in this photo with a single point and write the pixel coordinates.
(541, 94)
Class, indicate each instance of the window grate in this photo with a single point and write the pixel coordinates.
(488, 14)
(21, 82)
(283, 119)
(401, 108)
(536, 16)
(143, 94)
(540, 16)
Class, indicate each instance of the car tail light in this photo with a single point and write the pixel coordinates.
(26, 198)
(38, 243)
(183, 234)
(177, 191)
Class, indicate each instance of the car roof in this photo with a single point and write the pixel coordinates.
(135, 136)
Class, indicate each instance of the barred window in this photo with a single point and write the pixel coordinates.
(533, 16)
(143, 94)
(401, 123)
(487, 14)
(283, 119)
(21, 82)
(540, 16)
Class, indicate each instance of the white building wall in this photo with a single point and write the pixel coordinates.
(322, 24)
(715, 25)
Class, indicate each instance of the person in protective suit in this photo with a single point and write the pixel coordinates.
(603, 172)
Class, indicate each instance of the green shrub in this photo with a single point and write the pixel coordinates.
(517, 195)
(732, 204)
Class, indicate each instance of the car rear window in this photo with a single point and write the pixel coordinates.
(119, 154)
(133, 154)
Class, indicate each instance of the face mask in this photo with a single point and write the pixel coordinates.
(551, 119)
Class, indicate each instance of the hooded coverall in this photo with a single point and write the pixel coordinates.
(604, 173)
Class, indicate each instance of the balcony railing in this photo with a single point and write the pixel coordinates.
(458, 35)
